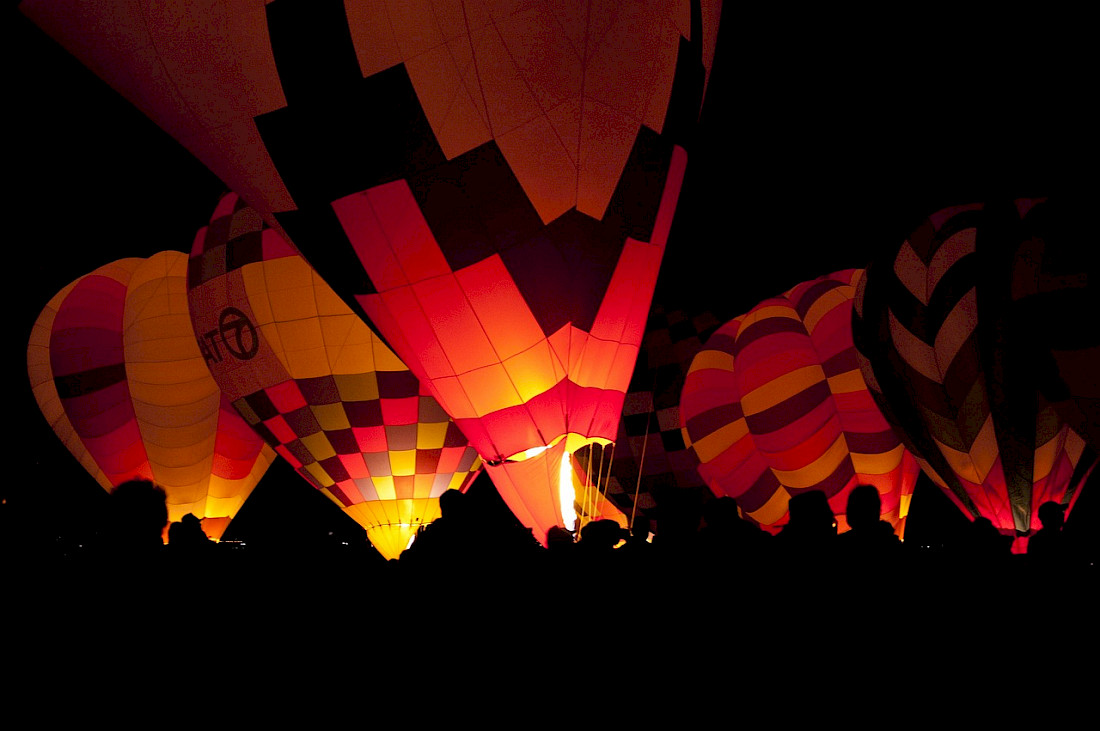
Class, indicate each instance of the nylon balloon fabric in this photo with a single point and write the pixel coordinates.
(317, 384)
(116, 371)
(962, 334)
(775, 405)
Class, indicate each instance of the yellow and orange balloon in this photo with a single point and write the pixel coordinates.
(318, 384)
(116, 371)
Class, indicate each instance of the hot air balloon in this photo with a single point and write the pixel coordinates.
(775, 405)
(491, 187)
(955, 331)
(320, 387)
(116, 371)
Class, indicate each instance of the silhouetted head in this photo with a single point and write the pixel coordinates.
(810, 511)
(864, 506)
(557, 537)
(451, 503)
(640, 528)
(139, 512)
(1052, 515)
(601, 534)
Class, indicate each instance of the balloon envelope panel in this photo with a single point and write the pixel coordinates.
(775, 405)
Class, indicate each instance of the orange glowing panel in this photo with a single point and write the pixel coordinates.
(116, 371)
(775, 405)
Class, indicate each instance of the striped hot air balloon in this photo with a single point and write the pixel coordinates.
(117, 373)
(775, 405)
(963, 332)
(318, 384)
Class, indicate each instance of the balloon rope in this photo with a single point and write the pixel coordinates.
(641, 468)
(588, 486)
(603, 480)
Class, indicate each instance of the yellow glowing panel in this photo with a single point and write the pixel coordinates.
(319, 474)
(713, 444)
(778, 390)
(878, 464)
(357, 387)
(825, 304)
(403, 462)
(713, 360)
(771, 511)
(489, 389)
(847, 382)
(383, 485)
(532, 372)
(331, 417)
(317, 445)
(811, 474)
(431, 436)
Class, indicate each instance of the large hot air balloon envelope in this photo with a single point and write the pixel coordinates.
(964, 331)
(318, 384)
(117, 373)
(490, 185)
(775, 405)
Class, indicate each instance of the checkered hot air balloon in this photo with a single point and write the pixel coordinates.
(117, 373)
(972, 339)
(775, 405)
(320, 387)
(490, 185)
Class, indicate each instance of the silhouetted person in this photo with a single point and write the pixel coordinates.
(1049, 546)
(449, 540)
(811, 525)
(727, 537)
(187, 533)
(678, 524)
(637, 538)
(868, 535)
(136, 517)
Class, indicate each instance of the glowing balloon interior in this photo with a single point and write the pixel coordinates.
(117, 373)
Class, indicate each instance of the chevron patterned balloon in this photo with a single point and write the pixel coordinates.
(955, 339)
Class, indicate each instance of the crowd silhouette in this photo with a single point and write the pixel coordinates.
(701, 578)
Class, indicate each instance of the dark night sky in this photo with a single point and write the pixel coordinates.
(824, 137)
